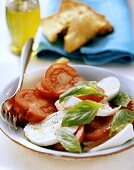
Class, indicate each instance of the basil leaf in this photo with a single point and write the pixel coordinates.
(121, 120)
(82, 89)
(82, 113)
(68, 140)
(122, 99)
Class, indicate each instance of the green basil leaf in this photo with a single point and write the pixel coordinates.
(84, 88)
(82, 113)
(68, 140)
(121, 120)
(122, 99)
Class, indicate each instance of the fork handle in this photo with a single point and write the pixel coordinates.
(25, 57)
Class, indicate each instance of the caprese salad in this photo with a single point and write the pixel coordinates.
(65, 112)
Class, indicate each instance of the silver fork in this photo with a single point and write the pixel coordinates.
(6, 114)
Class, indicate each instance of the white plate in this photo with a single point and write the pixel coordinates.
(90, 73)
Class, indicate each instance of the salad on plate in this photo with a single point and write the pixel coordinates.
(66, 112)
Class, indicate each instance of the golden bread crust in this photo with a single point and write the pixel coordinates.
(81, 22)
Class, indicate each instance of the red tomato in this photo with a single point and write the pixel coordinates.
(11, 107)
(93, 97)
(80, 134)
(59, 147)
(31, 108)
(57, 77)
(21, 121)
(98, 128)
(39, 110)
(74, 81)
(43, 91)
(24, 98)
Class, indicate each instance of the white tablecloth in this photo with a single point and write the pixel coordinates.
(16, 157)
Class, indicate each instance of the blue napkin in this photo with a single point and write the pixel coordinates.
(115, 47)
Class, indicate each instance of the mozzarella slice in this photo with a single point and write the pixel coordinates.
(59, 105)
(107, 110)
(43, 133)
(68, 103)
(123, 136)
(71, 102)
(111, 86)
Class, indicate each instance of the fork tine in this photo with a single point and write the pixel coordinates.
(15, 121)
(9, 116)
(2, 112)
(5, 116)
(10, 119)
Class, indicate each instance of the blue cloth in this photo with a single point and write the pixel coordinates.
(115, 47)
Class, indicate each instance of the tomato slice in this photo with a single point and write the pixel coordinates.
(21, 121)
(74, 81)
(32, 108)
(93, 97)
(11, 107)
(39, 110)
(57, 77)
(59, 147)
(43, 91)
(24, 98)
(98, 128)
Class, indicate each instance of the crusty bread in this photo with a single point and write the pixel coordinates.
(54, 25)
(69, 5)
(81, 30)
(81, 22)
(85, 27)
(58, 22)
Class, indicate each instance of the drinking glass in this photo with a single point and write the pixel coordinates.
(23, 18)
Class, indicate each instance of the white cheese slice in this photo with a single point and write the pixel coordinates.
(107, 110)
(111, 86)
(68, 103)
(59, 105)
(43, 133)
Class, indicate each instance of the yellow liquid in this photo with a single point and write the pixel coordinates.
(23, 20)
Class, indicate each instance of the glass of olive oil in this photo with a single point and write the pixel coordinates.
(23, 18)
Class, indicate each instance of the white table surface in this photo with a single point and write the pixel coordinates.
(16, 157)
